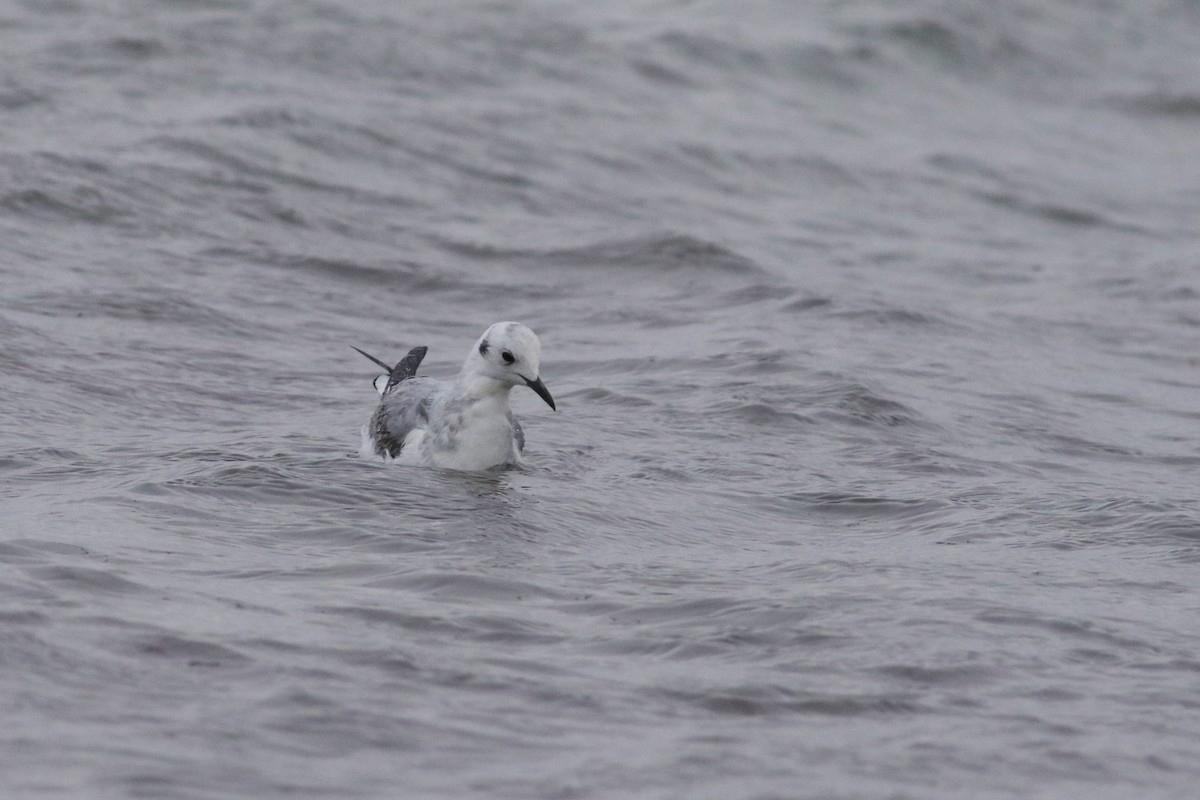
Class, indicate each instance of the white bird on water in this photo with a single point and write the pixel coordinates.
(466, 424)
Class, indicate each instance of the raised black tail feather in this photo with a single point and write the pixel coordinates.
(405, 367)
(373, 358)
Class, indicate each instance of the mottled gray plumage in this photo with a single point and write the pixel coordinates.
(403, 408)
(518, 433)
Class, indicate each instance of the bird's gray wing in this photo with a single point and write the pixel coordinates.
(518, 434)
(402, 410)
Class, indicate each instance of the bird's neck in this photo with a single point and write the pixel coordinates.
(479, 387)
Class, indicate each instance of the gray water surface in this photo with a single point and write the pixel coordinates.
(875, 332)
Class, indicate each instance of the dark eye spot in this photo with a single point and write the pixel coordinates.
(507, 356)
(483, 348)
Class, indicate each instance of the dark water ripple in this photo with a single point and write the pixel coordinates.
(874, 331)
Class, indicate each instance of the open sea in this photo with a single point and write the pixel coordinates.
(874, 328)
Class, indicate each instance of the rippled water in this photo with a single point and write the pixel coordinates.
(874, 328)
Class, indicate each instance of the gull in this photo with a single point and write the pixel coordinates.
(465, 424)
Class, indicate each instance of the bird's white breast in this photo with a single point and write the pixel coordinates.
(475, 437)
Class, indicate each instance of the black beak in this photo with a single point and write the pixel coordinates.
(542, 391)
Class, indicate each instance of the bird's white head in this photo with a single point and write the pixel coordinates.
(510, 354)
